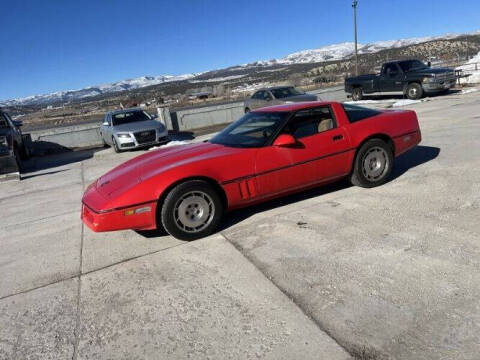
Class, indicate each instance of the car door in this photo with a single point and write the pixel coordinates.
(320, 155)
(392, 78)
(105, 129)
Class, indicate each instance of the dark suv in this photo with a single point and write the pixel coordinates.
(12, 147)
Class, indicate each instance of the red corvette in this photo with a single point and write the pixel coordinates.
(267, 153)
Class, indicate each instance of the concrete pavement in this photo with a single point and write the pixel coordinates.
(332, 273)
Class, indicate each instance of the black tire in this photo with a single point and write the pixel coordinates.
(247, 110)
(192, 203)
(373, 164)
(357, 94)
(414, 91)
(115, 146)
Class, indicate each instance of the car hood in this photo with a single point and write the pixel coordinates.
(139, 126)
(430, 71)
(156, 162)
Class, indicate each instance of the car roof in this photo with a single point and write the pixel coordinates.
(275, 88)
(121, 111)
(294, 106)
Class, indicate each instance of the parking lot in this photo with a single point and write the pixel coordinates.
(333, 273)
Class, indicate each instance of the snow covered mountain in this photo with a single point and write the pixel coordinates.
(326, 53)
(68, 95)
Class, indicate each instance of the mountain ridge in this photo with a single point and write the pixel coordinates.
(338, 51)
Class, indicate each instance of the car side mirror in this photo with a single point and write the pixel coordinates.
(105, 123)
(429, 64)
(17, 123)
(285, 140)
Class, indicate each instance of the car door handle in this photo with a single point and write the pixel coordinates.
(337, 137)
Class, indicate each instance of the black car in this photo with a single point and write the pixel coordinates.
(12, 146)
(411, 78)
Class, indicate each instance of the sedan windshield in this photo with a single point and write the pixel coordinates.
(254, 129)
(412, 65)
(281, 93)
(129, 117)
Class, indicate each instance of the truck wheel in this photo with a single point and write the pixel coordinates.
(373, 164)
(357, 94)
(191, 210)
(414, 91)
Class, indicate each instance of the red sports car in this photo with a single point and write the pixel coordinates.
(267, 153)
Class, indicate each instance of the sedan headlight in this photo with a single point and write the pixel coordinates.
(124, 136)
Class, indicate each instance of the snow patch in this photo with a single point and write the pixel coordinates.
(468, 91)
(171, 143)
(406, 102)
(472, 68)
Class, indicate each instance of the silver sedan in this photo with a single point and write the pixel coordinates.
(276, 96)
(132, 128)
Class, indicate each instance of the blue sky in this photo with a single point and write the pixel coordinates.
(52, 45)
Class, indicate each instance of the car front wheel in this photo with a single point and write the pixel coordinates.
(115, 145)
(191, 210)
(373, 164)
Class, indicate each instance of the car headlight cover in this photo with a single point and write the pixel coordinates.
(124, 136)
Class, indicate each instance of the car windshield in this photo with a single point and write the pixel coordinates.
(254, 129)
(281, 93)
(412, 65)
(129, 117)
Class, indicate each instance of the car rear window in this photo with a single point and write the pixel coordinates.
(356, 113)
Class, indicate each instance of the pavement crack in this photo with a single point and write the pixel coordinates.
(290, 297)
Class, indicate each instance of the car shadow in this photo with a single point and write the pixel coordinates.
(413, 158)
(38, 163)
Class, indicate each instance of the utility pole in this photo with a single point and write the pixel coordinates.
(354, 5)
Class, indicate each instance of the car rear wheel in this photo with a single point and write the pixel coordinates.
(357, 94)
(414, 91)
(373, 164)
(115, 145)
(192, 210)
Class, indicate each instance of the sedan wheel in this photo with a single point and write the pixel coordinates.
(194, 211)
(373, 164)
(191, 210)
(115, 145)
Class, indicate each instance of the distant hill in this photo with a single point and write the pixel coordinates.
(330, 60)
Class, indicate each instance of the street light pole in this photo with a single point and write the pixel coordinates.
(354, 5)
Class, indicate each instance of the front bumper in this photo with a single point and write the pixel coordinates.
(438, 85)
(98, 217)
(133, 143)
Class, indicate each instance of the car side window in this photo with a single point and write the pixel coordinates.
(356, 113)
(310, 122)
(258, 95)
(267, 96)
(391, 69)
